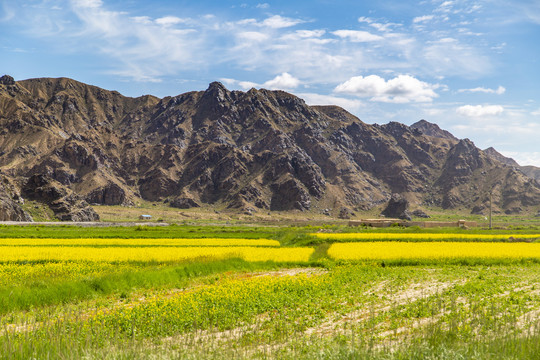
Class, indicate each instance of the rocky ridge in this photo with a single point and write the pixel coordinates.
(70, 144)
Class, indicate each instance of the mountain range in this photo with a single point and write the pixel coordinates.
(70, 145)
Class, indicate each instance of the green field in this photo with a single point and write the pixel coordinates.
(320, 306)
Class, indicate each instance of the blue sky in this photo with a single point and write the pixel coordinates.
(470, 66)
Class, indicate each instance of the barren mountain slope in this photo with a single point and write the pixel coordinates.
(254, 150)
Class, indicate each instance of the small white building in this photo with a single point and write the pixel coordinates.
(145, 217)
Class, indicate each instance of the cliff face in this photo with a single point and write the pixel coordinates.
(248, 150)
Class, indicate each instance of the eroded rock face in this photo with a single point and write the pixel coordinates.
(397, 208)
(111, 194)
(290, 195)
(183, 202)
(10, 210)
(66, 205)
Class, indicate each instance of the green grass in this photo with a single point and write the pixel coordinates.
(321, 309)
(356, 311)
(127, 232)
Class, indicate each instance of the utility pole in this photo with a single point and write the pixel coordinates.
(490, 201)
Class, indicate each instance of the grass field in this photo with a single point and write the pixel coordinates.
(213, 292)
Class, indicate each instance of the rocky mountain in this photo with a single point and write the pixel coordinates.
(431, 129)
(531, 171)
(494, 154)
(69, 144)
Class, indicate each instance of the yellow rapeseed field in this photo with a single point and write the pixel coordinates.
(140, 242)
(420, 237)
(393, 250)
(148, 254)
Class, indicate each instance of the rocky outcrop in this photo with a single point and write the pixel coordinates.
(110, 194)
(290, 195)
(426, 128)
(420, 213)
(10, 209)
(184, 202)
(66, 205)
(397, 208)
(7, 80)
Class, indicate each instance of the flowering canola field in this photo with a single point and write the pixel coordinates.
(395, 250)
(419, 237)
(149, 254)
(140, 242)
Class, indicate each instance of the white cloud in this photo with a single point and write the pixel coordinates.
(479, 110)
(278, 22)
(144, 49)
(142, 19)
(244, 85)
(536, 113)
(263, 6)
(357, 35)
(401, 89)
(499, 91)
(168, 44)
(425, 18)
(272, 22)
(445, 7)
(451, 56)
(252, 36)
(169, 20)
(283, 81)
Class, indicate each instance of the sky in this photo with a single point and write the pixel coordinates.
(470, 66)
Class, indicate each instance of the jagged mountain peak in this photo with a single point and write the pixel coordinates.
(494, 154)
(7, 80)
(431, 129)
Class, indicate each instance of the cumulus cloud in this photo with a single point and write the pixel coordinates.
(499, 91)
(283, 81)
(479, 110)
(357, 35)
(401, 89)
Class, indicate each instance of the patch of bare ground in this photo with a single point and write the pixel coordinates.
(529, 322)
(338, 324)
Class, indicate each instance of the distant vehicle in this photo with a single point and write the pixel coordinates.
(145, 217)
